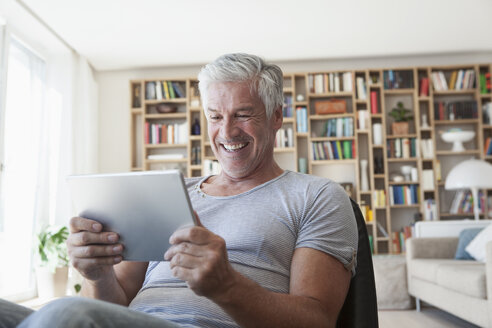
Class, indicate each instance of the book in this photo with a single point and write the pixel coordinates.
(166, 90)
(374, 102)
(382, 229)
(170, 90)
(428, 179)
(424, 87)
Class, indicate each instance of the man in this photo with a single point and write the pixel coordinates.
(274, 248)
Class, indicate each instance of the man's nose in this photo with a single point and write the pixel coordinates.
(229, 128)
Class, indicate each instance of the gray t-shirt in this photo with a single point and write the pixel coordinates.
(262, 228)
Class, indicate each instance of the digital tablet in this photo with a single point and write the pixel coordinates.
(144, 208)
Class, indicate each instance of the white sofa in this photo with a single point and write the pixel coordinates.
(461, 287)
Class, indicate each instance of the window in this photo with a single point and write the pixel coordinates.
(23, 148)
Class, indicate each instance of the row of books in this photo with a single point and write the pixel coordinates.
(463, 202)
(379, 197)
(399, 239)
(427, 148)
(196, 155)
(284, 138)
(459, 80)
(402, 148)
(339, 127)
(485, 83)
(164, 90)
(302, 119)
(488, 146)
(329, 150)
(430, 210)
(165, 133)
(398, 79)
(404, 195)
(330, 82)
(454, 110)
(287, 108)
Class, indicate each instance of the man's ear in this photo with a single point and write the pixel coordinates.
(278, 117)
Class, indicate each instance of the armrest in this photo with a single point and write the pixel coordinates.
(431, 248)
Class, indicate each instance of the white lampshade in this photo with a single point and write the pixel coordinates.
(472, 173)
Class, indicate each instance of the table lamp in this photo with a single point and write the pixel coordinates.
(471, 174)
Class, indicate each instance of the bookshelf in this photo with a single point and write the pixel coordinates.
(340, 143)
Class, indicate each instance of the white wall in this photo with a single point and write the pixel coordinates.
(114, 98)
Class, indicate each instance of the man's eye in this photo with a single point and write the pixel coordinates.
(242, 116)
(214, 117)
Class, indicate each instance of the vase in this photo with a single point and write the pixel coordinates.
(51, 284)
(364, 181)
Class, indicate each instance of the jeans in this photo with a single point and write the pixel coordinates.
(77, 312)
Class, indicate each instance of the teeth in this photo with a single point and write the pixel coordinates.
(234, 147)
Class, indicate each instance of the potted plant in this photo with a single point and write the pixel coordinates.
(401, 115)
(52, 271)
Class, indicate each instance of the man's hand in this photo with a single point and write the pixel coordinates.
(92, 252)
(199, 257)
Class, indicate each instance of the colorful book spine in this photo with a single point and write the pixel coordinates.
(374, 102)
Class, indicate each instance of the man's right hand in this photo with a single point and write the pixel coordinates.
(93, 252)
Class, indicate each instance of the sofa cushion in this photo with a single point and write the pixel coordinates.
(426, 269)
(476, 247)
(465, 277)
(466, 236)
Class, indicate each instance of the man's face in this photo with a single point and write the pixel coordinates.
(241, 135)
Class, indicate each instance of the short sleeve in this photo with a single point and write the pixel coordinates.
(328, 224)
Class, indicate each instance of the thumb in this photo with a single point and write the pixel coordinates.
(198, 223)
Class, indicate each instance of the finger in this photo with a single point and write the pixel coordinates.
(185, 248)
(83, 264)
(82, 224)
(96, 251)
(195, 235)
(183, 273)
(84, 238)
(185, 261)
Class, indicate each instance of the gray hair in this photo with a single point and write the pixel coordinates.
(266, 80)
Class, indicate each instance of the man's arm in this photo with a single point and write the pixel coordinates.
(97, 256)
(318, 283)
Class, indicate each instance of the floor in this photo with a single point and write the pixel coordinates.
(429, 317)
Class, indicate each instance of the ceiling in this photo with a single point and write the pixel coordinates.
(122, 34)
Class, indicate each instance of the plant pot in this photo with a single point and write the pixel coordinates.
(399, 128)
(51, 284)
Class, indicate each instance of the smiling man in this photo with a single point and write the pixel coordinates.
(274, 248)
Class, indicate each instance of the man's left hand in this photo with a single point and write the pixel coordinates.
(199, 257)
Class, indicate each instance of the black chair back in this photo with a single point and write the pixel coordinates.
(360, 307)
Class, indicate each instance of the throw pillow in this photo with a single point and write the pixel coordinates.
(466, 236)
(476, 247)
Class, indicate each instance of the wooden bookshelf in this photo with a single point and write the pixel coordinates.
(355, 87)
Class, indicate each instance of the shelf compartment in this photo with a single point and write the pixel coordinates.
(330, 116)
(454, 92)
(171, 160)
(165, 145)
(392, 183)
(401, 136)
(406, 206)
(454, 122)
(314, 139)
(333, 161)
(409, 159)
(331, 94)
(160, 101)
(399, 91)
(196, 167)
(288, 120)
(195, 137)
(284, 149)
(171, 116)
